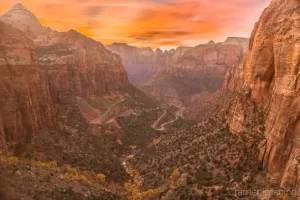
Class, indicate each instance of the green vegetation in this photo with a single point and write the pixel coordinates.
(209, 158)
(71, 144)
(137, 128)
(138, 99)
(28, 179)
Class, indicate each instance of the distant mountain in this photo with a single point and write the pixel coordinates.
(21, 18)
(142, 64)
(198, 69)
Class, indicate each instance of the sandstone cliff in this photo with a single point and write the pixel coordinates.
(199, 69)
(76, 65)
(142, 64)
(79, 66)
(271, 73)
(215, 55)
(42, 67)
(25, 100)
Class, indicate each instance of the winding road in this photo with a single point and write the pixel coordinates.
(162, 127)
(100, 119)
(154, 125)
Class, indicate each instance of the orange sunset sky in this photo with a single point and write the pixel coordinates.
(154, 23)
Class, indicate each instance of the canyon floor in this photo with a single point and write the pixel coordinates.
(135, 148)
(217, 121)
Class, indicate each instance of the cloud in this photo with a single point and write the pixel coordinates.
(148, 22)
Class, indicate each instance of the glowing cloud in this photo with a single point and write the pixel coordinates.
(154, 23)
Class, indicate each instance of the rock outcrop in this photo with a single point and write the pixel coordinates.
(76, 65)
(142, 64)
(21, 18)
(199, 69)
(25, 102)
(271, 72)
(42, 67)
(79, 66)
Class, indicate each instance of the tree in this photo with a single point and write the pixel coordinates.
(175, 173)
(108, 133)
(149, 194)
(100, 178)
(119, 142)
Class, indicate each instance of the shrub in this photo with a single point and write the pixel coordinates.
(150, 194)
(100, 178)
(175, 173)
(108, 133)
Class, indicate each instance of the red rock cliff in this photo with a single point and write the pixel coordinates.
(143, 63)
(49, 68)
(271, 71)
(198, 69)
(76, 65)
(25, 103)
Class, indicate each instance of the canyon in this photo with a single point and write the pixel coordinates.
(200, 69)
(174, 76)
(205, 121)
(50, 68)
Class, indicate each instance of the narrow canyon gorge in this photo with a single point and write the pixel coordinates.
(84, 120)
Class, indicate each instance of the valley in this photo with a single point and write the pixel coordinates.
(84, 120)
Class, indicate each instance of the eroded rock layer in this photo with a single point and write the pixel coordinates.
(199, 69)
(142, 64)
(271, 72)
(78, 66)
(25, 102)
(41, 67)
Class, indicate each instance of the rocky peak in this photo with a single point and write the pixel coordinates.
(235, 40)
(119, 44)
(19, 6)
(211, 42)
(21, 18)
(147, 49)
(172, 51)
(181, 50)
(244, 42)
(158, 50)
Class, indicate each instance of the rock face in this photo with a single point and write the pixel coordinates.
(46, 68)
(21, 18)
(79, 66)
(178, 85)
(176, 75)
(76, 65)
(142, 64)
(24, 95)
(214, 55)
(271, 72)
(235, 77)
(199, 69)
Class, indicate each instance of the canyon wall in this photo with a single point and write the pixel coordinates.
(41, 67)
(200, 69)
(142, 64)
(78, 66)
(25, 102)
(271, 73)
